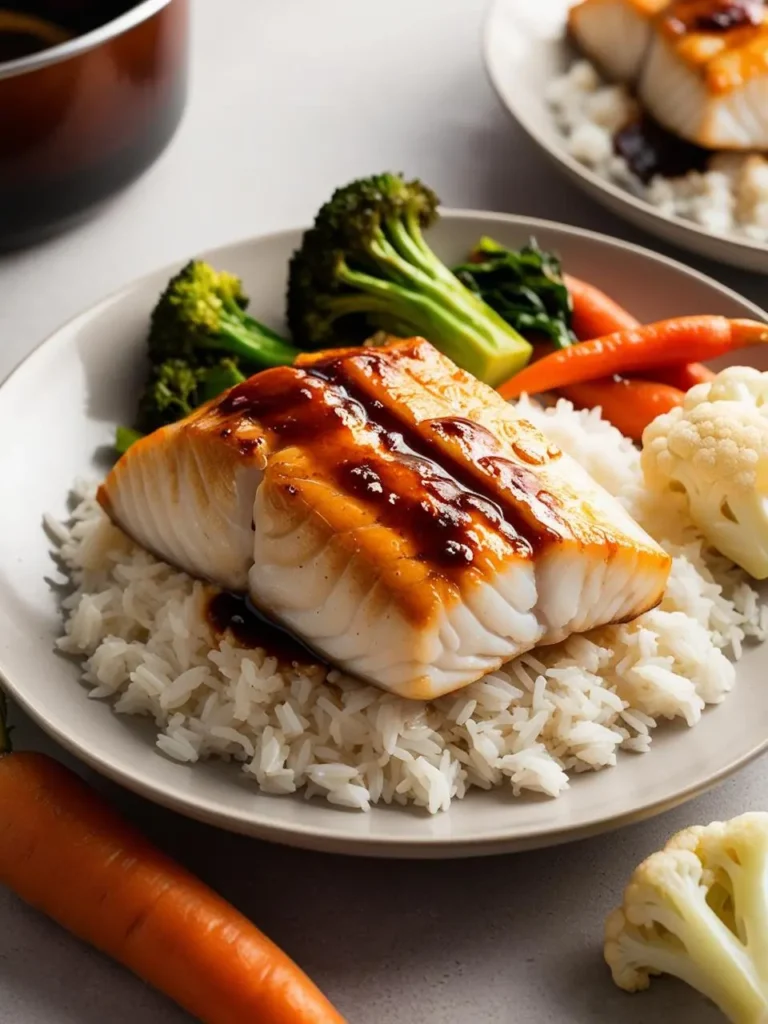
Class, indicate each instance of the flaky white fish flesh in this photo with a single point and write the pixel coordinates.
(707, 84)
(615, 34)
(391, 511)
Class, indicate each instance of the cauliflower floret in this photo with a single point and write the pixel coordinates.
(715, 449)
(698, 909)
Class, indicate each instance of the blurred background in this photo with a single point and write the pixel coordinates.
(288, 98)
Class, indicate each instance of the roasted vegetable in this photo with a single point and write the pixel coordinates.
(595, 314)
(175, 387)
(628, 403)
(524, 286)
(715, 449)
(366, 265)
(201, 316)
(636, 350)
(201, 342)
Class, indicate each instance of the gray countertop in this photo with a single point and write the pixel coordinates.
(290, 98)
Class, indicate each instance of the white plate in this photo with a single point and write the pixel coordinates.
(60, 406)
(525, 49)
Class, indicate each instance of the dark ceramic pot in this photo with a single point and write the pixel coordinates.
(81, 119)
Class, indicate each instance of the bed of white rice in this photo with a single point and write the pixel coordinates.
(729, 198)
(140, 626)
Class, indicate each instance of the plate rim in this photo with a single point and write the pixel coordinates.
(590, 179)
(446, 213)
(319, 839)
(322, 837)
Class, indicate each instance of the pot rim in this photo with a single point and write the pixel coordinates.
(81, 44)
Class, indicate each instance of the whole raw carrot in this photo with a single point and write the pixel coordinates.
(595, 314)
(685, 339)
(64, 851)
(630, 405)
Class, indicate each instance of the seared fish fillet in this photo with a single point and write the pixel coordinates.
(393, 512)
(615, 34)
(706, 75)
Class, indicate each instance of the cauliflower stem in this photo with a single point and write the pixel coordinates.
(698, 910)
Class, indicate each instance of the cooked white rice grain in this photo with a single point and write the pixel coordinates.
(141, 627)
(729, 198)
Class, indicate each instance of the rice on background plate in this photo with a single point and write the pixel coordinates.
(142, 629)
(729, 198)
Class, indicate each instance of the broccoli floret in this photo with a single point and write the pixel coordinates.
(125, 437)
(201, 342)
(525, 286)
(202, 314)
(176, 387)
(168, 394)
(365, 264)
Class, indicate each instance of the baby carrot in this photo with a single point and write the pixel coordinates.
(630, 405)
(636, 350)
(683, 376)
(595, 314)
(64, 851)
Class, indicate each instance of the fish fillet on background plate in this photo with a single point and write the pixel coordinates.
(706, 74)
(615, 34)
(393, 512)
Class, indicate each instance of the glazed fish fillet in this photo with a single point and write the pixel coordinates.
(391, 511)
(615, 34)
(706, 75)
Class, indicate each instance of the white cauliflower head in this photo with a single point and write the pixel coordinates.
(715, 449)
(698, 909)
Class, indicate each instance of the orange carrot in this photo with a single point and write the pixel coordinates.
(64, 851)
(594, 313)
(630, 405)
(683, 376)
(685, 339)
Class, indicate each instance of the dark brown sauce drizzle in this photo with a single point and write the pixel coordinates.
(714, 15)
(439, 513)
(650, 149)
(412, 493)
(251, 628)
(423, 492)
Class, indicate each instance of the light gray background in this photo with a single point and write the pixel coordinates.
(289, 99)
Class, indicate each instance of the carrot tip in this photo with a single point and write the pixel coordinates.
(748, 332)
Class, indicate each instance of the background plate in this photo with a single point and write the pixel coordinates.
(58, 409)
(525, 48)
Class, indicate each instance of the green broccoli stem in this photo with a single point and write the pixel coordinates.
(394, 265)
(408, 239)
(446, 288)
(125, 437)
(239, 315)
(407, 245)
(218, 379)
(263, 330)
(253, 344)
(461, 339)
